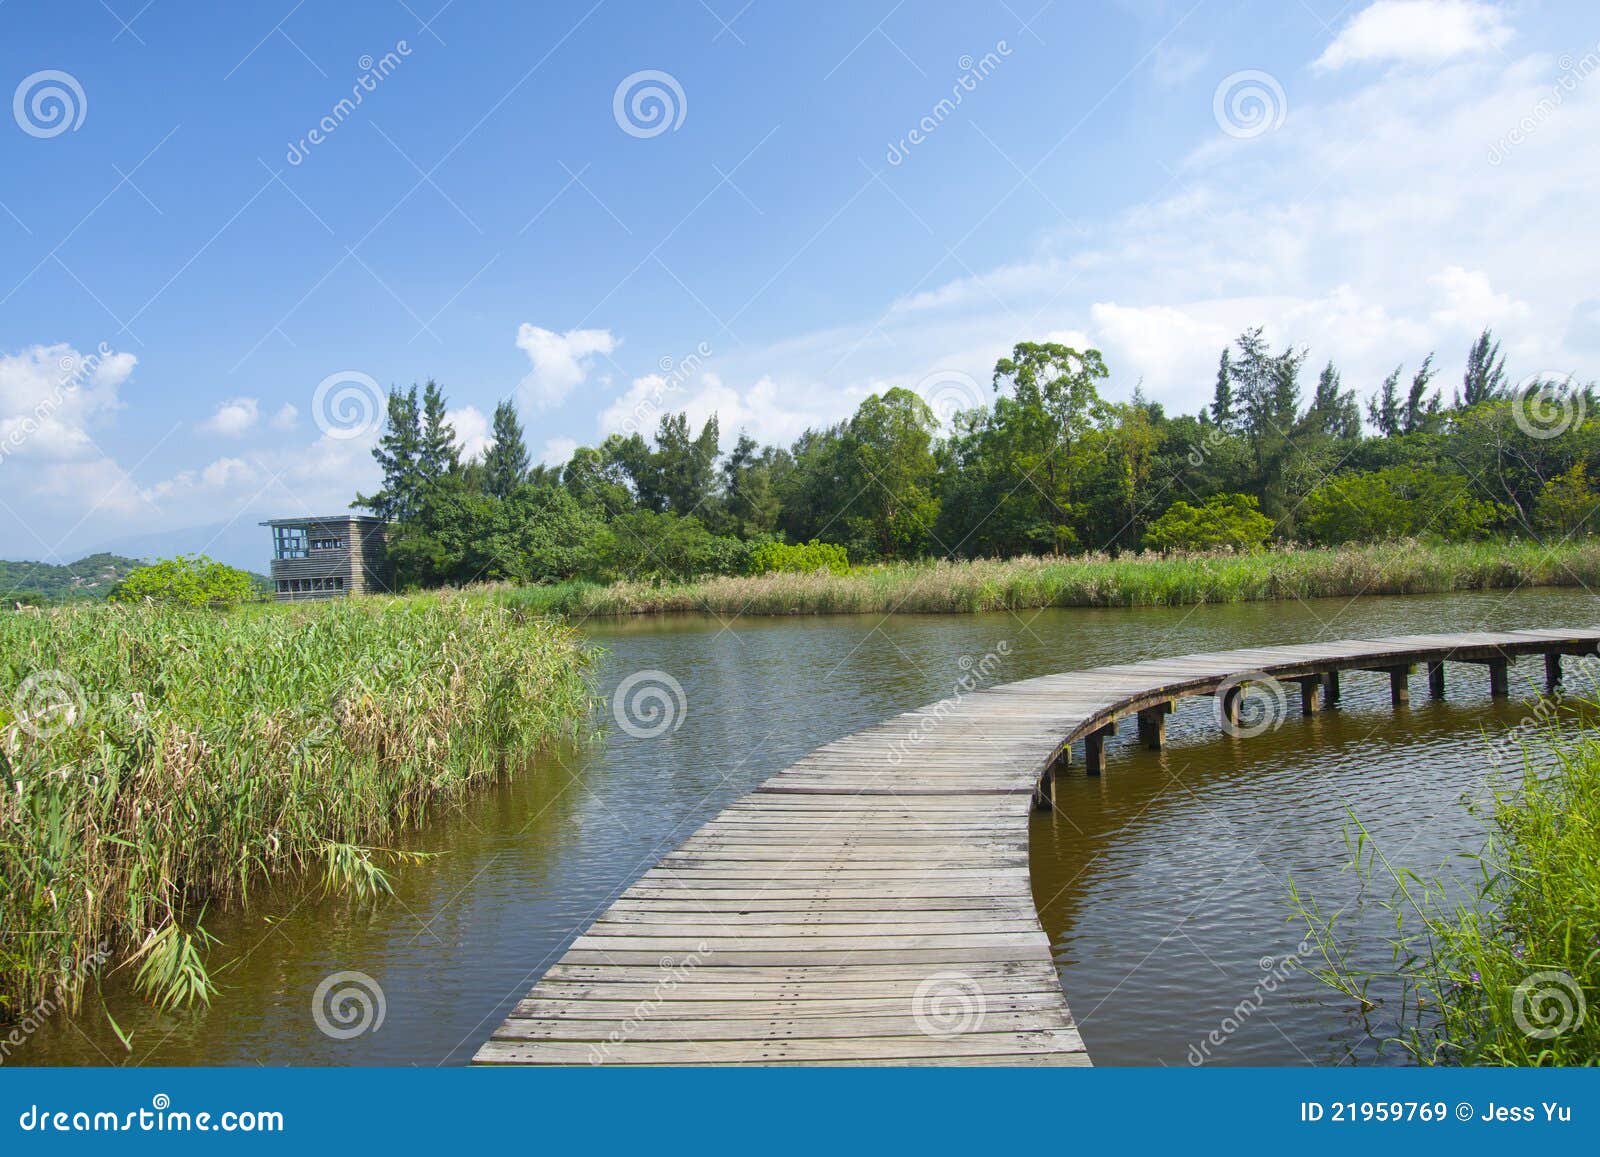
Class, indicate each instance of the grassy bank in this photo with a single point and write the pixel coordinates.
(1507, 973)
(1094, 581)
(158, 761)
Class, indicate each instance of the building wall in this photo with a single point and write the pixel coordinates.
(359, 567)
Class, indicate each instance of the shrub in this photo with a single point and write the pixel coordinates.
(1223, 520)
(1396, 502)
(188, 580)
(799, 558)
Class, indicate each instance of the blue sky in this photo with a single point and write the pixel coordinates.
(182, 265)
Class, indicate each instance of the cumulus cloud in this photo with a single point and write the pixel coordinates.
(49, 394)
(234, 418)
(560, 361)
(1417, 32)
(557, 451)
(287, 418)
(472, 430)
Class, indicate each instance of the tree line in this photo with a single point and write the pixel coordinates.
(1048, 466)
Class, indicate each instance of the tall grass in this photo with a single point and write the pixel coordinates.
(188, 756)
(1094, 580)
(1507, 973)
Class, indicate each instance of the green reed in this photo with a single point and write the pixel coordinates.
(156, 761)
(1094, 580)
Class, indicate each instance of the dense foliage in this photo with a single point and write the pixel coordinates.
(1049, 466)
(187, 581)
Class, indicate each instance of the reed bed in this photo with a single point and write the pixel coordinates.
(1504, 970)
(157, 761)
(1094, 580)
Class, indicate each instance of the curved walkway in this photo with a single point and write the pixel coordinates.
(871, 904)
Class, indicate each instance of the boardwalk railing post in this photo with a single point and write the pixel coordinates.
(1436, 678)
(1310, 694)
(1552, 671)
(1499, 684)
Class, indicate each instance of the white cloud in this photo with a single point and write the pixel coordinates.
(287, 418)
(561, 361)
(49, 396)
(234, 418)
(557, 451)
(1468, 301)
(1417, 32)
(472, 430)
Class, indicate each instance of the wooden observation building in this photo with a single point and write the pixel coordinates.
(328, 557)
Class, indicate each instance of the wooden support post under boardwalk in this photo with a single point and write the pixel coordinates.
(1552, 671)
(1499, 684)
(1310, 694)
(1436, 679)
(1229, 708)
(1153, 725)
(1330, 688)
(1400, 685)
(1094, 749)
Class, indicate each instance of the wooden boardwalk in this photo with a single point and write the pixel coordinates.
(871, 904)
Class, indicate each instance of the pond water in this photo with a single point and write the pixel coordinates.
(1163, 884)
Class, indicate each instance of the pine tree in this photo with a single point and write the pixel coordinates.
(1383, 408)
(1485, 376)
(505, 464)
(397, 453)
(1222, 399)
(437, 453)
(1420, 410)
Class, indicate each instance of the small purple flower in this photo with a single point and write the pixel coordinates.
(1475, 977)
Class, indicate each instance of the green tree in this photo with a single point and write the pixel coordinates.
(505, 464)
(397, 454)
(1397, 502)
(891, 473)
(1485, 375)
(1222, 396)
(1567, 504)
(1223, 520)
(188, 580)
(1383, 408)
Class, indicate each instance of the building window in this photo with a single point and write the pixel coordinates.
(289, 541)
(329, 544)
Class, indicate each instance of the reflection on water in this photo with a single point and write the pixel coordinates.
(1162, 884)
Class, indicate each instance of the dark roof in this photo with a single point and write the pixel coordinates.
(313, 518)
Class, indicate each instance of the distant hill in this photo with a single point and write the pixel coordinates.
(91, 577)
(88, 578)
